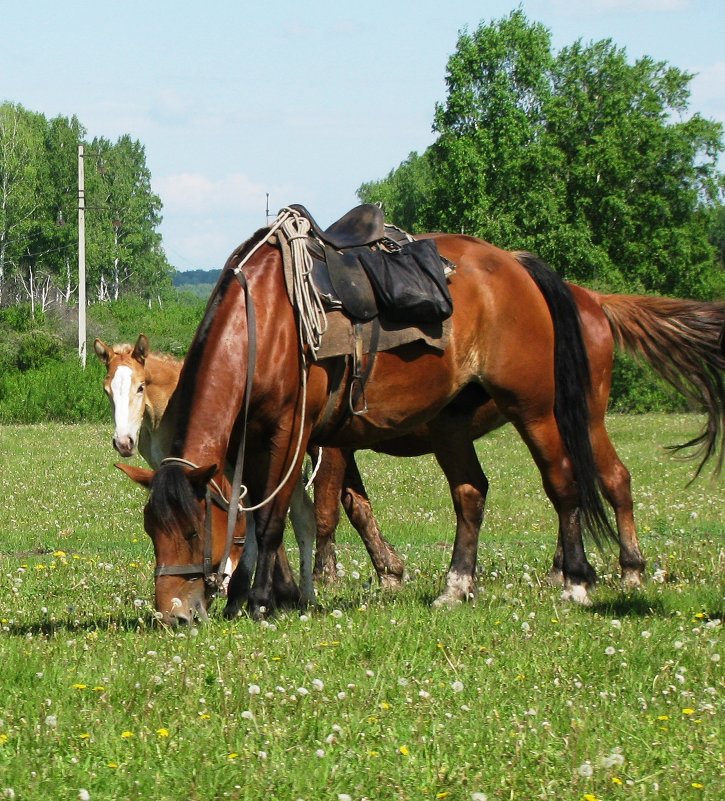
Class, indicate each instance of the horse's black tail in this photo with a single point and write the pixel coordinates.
(573, 383)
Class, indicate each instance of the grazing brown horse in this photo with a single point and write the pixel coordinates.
(250, 388)
(139, 384)
(677, 337)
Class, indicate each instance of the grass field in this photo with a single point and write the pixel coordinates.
(518, 696)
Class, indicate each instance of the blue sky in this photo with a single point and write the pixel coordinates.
(302, 100)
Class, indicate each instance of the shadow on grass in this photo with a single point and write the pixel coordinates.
(51, 628)
(631, 605)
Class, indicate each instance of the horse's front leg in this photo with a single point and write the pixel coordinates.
(302, 517)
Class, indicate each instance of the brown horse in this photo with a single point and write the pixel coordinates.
(677, 337)
(251, 387)
(139, 384)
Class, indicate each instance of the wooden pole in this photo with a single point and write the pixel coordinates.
(81, 259)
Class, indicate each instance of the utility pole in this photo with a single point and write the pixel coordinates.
(81, 259)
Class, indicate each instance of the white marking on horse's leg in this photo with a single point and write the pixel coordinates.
(227, 571)
(391, 583)
(460, 587)
(632, 579)
(556, 577)
(302, 517)
(576, 593)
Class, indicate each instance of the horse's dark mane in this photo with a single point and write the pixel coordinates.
(187, 380)
(573, 383)
(172, 498)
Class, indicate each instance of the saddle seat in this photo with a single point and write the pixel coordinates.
(363, 225)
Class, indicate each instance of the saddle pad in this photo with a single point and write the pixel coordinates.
(339, 339)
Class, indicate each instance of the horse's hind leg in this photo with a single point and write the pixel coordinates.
(388, 565)
(302, 517)
(545, 444)
(468, 485)
(616, 487)
(338, 481)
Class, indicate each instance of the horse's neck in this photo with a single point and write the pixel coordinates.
(162, 376)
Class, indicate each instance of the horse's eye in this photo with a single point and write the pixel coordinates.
(140, 389)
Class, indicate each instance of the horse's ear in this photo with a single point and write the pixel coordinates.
(102, 350)
(141, 349)
(141, 475)
(199, 477)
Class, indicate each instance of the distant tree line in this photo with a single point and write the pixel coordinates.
(38, 214)
(587, 159)
(184, 278)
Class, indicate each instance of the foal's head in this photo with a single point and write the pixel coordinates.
(125, 385)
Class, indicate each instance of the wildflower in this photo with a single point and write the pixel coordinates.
(79, 686)
(317, 684)
(254, 689)
(443, 794)
(126, 735)
(162, 732)
(697, 785)
(319, 753)
(84, 736)
(337, 613)
(344, 797)
(479, 797)
(457, 686)
(233, 755)
(610, 651)
(646, 634)
(3, 739)
(8, 792)
(589, 797)
(404, 750)
(51, 721)
(83, 795)
(303, 691)
(585, 770)
(616, 624)
(262, 754)
(688, 710)
(113, 765)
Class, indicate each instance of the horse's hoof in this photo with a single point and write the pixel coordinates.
(632, 580)
(231, 611)
(556, 577)
(391, 583)
(577, 593)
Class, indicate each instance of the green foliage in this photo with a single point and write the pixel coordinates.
(637, 389)
(580, 156)
(36, 348)
(58, 391)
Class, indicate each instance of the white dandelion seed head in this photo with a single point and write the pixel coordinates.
(175, 603)
(319, 753)
(318, 684)
(457, 686)
(247, 715)
(254, 689)
(84, 795)
(51, 721)
(646, 634)
(616, 624)
(479, 797)
(585, 770)
(610, 651)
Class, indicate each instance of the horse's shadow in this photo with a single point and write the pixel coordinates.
(50, 628)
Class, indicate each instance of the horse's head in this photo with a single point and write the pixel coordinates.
(125, 384)
(188, 530)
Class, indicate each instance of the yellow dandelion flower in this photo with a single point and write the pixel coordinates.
(404, 750)
(204, 716)
(59, 554)
(126, 735)
(3, 739)
(373, 753)
(384, 705)
(443, 794)
(663, 717)
(162, 732)
(113, 764)
(84, 736)
(98, 688)
(688, 710)
(79, 686)
(697, 785)
(233, 755)
(589, 797)
(700, 616)
(616, 780)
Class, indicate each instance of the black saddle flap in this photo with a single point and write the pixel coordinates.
(351, 284)
(410, 284)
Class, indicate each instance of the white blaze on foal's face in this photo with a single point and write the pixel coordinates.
(127, 397)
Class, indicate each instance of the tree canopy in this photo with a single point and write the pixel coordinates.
(581, 156)
(38, 213)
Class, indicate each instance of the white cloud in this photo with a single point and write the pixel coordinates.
(708, 90)
(195, 193)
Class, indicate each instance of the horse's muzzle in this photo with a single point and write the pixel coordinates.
(124, 445)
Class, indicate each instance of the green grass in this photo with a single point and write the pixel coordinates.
(518, 696)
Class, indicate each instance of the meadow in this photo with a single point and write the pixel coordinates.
(516, 696)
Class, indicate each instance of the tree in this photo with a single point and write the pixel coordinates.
(582, 157)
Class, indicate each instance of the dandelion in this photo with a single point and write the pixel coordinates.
(51, 721)
(319, 753)
(697, 785)
(8, 792)
(233, 755)
(337, 613)
(262, 754)
(610, 651)
(84, 736)
(688, 710)
(616, 624)
(84, 795)
(79, 686)
(162, 732)
(247, 715)
(317, 684)
(303, 691)
(479, 797)
(457, 686)
(715, 658)
(254, 689)
(344, 797)
(589, 797)
(404, 750)
(585, 770)
(3, 739)
(646, 634)
(126, 735)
